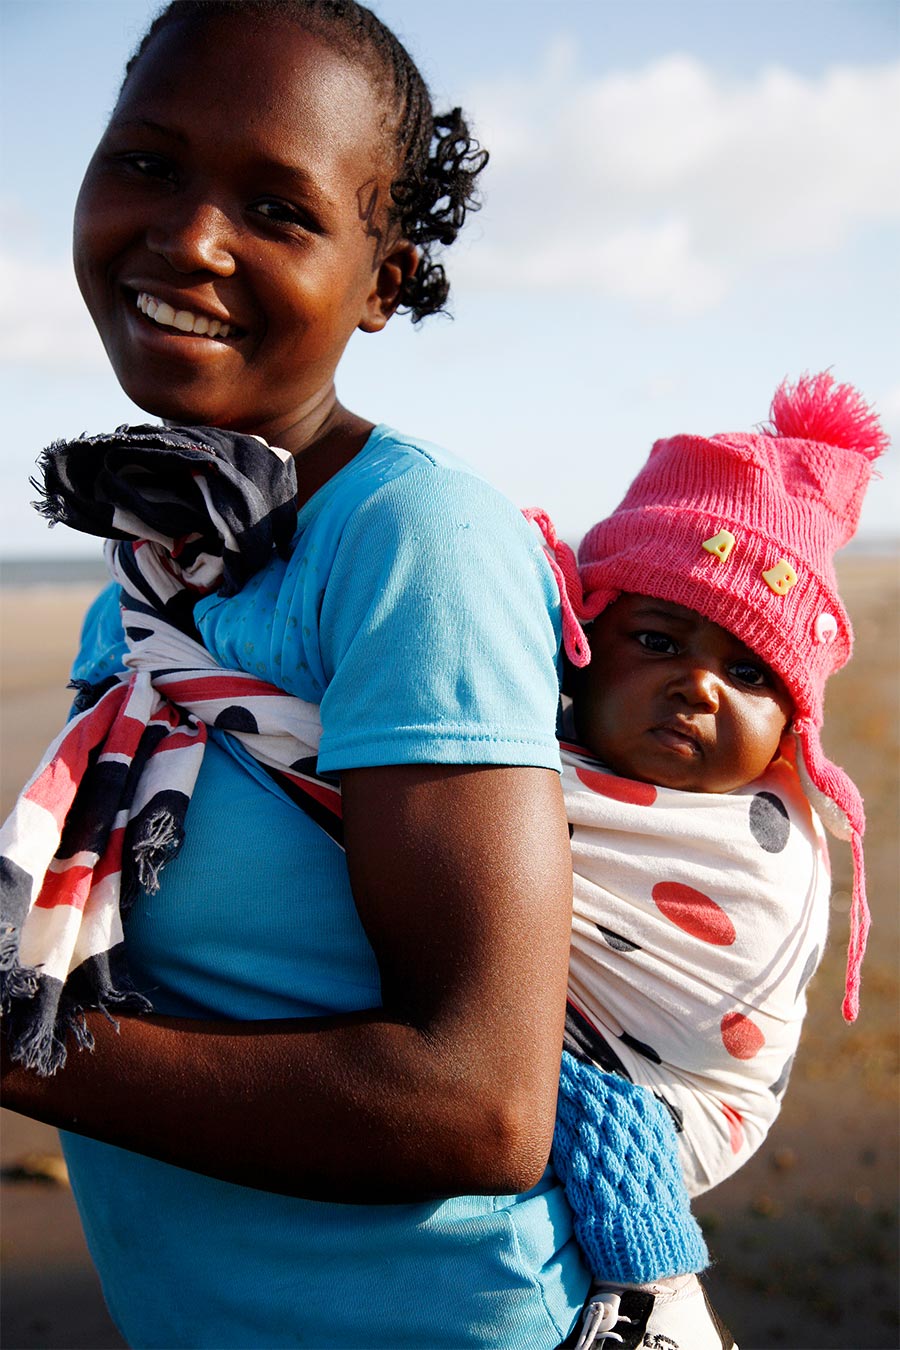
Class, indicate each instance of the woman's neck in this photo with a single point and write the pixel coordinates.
(322, 436)
(336, 440)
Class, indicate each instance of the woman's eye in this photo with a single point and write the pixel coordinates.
(281, 212)
(149, 166)
(747, 672)
(657, 642)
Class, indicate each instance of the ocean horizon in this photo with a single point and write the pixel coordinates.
(17, 571)
(51, 571)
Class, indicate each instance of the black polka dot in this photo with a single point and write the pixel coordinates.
(809, 970)
(769, 823)
(305, 765)
(781, 1082)
(618, 943)
(236, 718)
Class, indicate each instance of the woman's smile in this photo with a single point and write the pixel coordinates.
(184, 320)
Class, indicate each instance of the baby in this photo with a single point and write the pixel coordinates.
(694, 782)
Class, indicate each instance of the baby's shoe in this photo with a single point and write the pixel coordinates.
(673, 1314)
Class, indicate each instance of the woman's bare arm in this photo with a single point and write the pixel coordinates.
(462, 878)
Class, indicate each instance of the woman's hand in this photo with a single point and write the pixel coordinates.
(462, 878)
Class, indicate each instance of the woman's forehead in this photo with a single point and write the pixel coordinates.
(264, 83)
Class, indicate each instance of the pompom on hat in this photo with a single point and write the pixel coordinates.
(743, 527)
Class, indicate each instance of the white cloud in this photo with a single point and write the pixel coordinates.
(44, 322)
(669, 184)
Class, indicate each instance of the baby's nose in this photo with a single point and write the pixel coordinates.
(699, 685)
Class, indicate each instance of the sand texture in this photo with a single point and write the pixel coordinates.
(804, 1238)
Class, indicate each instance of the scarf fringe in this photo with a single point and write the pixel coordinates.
(50, 504)
(39, 1042)
(159, 842)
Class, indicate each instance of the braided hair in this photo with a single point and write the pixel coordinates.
(438, 159)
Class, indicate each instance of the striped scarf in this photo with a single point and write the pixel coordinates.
(185, 513)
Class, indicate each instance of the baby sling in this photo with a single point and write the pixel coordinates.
(185, 513)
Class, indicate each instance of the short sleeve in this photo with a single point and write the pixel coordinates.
(102, 639)
(439, 630)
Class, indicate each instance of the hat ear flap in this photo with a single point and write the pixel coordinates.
(835, 820)
(826, 786)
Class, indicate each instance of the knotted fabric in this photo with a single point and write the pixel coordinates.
(186, 512)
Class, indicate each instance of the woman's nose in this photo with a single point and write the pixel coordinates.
(193, 236)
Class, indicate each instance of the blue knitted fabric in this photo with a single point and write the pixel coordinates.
(616, 1152)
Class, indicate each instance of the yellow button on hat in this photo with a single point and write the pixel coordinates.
(781, 577)
(720, 545)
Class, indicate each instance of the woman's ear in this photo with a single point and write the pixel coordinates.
(394, 271)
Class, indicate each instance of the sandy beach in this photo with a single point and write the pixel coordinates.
(804, 1238)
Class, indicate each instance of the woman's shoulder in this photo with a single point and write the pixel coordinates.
(415, 480)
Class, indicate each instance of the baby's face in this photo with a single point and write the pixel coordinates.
(673, 699)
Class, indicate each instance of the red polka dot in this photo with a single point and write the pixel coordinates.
(741, 1037)
(620, 789)
(735, 1127)
(694, 912)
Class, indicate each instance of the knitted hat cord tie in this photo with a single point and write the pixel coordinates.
(564, 566)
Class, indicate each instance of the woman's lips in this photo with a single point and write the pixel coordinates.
(183, 320)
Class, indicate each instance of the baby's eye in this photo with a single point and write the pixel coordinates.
(657, 642)
(749, 672)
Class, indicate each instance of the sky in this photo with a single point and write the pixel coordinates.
(687, 201)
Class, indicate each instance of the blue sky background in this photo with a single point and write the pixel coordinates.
(687, 200)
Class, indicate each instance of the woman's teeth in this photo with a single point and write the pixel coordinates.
(183, 319)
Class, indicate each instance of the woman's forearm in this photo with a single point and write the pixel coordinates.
(356, 1109)
(462, 879)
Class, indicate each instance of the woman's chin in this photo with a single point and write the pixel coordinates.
(180, 409)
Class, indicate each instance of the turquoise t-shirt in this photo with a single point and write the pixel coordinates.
(418, 610)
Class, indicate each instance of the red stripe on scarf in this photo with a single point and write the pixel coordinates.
(70, 887)
(182, 740)
(325, 796)
(112, 856)
(208, 687)
(55, 786)
(124, 736)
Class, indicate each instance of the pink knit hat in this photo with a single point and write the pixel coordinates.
(742, 527)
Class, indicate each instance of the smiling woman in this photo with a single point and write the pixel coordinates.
(254, 225)
(361, 1025)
